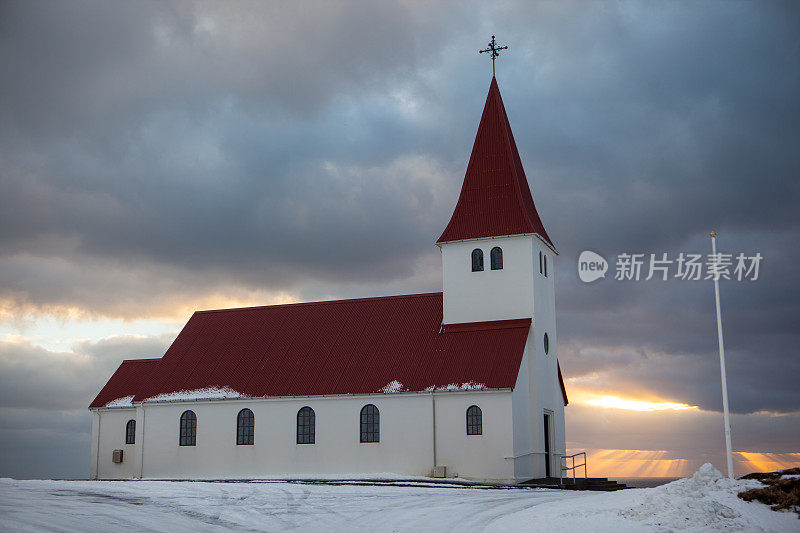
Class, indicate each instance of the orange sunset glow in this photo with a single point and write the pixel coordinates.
(664, 463)
(620, 402)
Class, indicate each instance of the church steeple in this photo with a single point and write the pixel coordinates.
(495, 199)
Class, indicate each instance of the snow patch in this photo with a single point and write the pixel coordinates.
(470, 385)
(208, 393)
(706, 502)
(126, 401)
(690, 500)
(392, 386)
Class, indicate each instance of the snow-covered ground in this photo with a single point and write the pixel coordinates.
(706, 502)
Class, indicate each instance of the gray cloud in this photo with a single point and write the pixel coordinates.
(164, 153)
(32, 376)
(44, 396)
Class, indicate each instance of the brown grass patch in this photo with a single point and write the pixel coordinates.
(779, 493)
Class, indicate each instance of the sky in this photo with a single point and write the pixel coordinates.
(162, 157)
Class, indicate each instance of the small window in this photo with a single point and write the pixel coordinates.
(474, 420)
(546, 344)
(545, 265)
(130, 432)
(305, 426)
(477, 260)
(245, 424)
(188, 435)
(370, 424)
(497, 258)
(540, 263)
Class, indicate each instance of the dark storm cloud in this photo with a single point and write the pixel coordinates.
(150, 152)
(186, 135)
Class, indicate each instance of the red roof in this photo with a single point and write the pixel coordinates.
(127, 380)
(336, 347)
(495, 198)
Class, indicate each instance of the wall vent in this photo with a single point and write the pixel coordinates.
(439, 471)
(116, 457)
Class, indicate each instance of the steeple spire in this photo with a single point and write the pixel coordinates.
(495, 199)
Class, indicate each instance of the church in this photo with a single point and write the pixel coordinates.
(463, 383)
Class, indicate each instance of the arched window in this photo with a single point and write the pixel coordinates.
(245, 423)
(305, 426)
(130, 432)
(546, 344)
(188, 429)
(497, 258)
(540, 263)
(370, 424)
(474, 420)
(545, 265)
(477, 260)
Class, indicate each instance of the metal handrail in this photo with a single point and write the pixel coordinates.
(565, 468)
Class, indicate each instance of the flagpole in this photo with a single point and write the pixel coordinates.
(729, 453)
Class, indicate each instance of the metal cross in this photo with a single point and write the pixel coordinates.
(495, 51)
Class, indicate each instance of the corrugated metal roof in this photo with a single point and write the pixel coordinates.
(495, 198)
(336, 347)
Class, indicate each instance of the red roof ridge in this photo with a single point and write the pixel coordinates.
(322, 302)
(147, 360)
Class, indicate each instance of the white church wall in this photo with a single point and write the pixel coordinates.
(94, 445)
(111, 431)
(537, 390)
(490, 294)
(522, 404)
(482, 457)
(544, 372)
(405, 447)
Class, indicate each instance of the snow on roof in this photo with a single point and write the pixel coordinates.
(206, 393)
(125, 401)
(392, 386)
(360, 346)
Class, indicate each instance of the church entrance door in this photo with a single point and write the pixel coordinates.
(547, 445)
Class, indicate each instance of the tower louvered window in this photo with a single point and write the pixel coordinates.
(305, 426)
(188, 433)
(370, 424)
(245, 426)
(474, 420)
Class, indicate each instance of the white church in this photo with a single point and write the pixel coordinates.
(460, 383)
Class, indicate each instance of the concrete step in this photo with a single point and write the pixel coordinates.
(590, 483)
(599, 484)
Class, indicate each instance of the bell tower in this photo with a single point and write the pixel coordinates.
(496, 254)
(498, 263)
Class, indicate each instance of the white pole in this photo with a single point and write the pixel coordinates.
(729, 453)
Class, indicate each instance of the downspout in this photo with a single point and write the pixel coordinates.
(141, 446)
(97, 457)
(433, 418)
